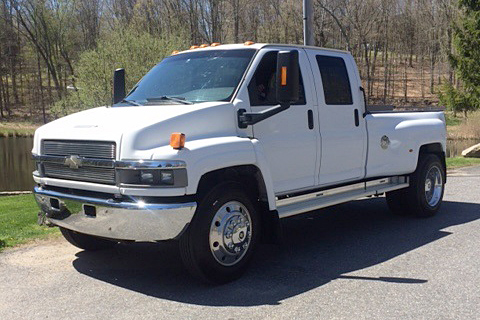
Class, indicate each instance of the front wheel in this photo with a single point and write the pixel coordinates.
(222, 236)
(424, 195)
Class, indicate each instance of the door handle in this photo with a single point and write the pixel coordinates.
(310, 119)
(357, 119)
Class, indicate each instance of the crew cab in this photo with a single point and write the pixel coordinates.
(214, 145)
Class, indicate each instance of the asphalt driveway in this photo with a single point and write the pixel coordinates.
(353, 261)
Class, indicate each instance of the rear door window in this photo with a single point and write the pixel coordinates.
(336, 84)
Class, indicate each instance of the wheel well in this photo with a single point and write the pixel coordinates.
(248, 175)
(251, 178)
(435, 148)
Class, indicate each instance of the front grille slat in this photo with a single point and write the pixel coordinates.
(85, 149)
(89, 149)
(90, 174)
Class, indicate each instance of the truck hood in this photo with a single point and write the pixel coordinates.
(137, 130)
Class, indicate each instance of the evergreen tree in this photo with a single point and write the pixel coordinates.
(466, 60)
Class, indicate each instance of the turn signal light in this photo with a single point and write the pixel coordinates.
(248, 43)
(215, 44)
(177, 140)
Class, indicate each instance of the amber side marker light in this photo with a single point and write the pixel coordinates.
(284, 76)
(177, 140)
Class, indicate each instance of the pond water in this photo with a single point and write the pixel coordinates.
(16, 164)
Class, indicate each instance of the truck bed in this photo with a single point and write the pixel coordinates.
(391, 108)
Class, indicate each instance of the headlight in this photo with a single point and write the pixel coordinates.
(152, 173)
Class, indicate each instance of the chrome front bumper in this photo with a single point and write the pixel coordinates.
(136, 221)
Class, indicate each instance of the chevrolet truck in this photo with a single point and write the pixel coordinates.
(214, 145)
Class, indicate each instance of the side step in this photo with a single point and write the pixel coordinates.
(313, 201)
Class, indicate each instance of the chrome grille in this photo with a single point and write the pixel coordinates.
(97, 152)
(88, 149)
(90, 174)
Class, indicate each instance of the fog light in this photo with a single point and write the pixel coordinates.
(146, 177)
(166, 177)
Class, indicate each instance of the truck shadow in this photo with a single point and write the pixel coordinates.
(317, 249)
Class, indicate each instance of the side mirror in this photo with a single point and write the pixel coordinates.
(118, 85)
(287, 77)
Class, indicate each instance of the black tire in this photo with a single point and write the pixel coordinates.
(413, 200)
(195, 244)
(86, 242)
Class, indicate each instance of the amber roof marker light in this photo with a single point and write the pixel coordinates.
(248, 43)
(177, 140)
(215, 44)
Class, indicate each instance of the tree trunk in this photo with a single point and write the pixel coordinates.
(7, 95)
(13, 75)
(40, 86)
(374, 63)
(367, 66)
(422, 76)
(432, 74)
(405, 81)
(236, 18)
(2, 115)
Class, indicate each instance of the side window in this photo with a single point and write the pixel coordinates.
(336, 85)
(262, 87)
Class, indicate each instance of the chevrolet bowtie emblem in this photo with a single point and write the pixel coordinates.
(74, 162)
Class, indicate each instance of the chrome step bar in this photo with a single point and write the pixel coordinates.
(291, 206)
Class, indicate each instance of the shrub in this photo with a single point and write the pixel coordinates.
(136, 51)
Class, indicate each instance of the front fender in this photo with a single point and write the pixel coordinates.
(210, 154)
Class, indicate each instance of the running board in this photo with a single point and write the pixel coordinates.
(313, 201)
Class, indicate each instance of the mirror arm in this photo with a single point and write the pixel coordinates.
(249, 118)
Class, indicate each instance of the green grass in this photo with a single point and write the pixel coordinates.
(18, 221)
(458, 162)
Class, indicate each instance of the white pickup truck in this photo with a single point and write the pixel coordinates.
(216, 144)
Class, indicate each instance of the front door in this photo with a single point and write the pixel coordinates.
(289, 139)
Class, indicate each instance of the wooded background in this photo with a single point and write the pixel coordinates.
(58, 56)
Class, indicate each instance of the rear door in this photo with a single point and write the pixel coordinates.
(340, 109)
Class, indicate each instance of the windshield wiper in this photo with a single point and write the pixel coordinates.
(176, 99)
(133, 103)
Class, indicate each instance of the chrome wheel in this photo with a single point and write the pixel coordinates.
(433, 186)
(230, 233)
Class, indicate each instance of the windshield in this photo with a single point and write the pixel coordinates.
(200, 76)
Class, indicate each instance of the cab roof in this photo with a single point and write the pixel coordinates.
(258, 46)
